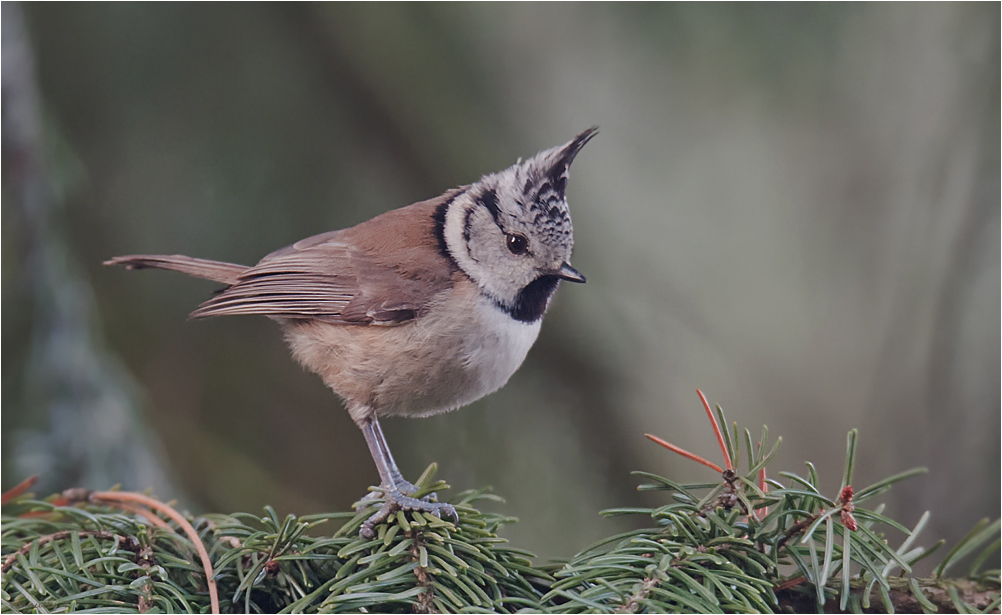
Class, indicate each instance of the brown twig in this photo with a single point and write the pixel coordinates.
(633, 602)
(425, 601)
(716, 430)
(684, 453)
(787, 584)
(144, 513)
(796, 528)
(18, 489)
(936, 591)
(109, 497)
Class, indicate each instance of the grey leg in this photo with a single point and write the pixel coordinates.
(403, 485)
(385, 465)
(395, 488)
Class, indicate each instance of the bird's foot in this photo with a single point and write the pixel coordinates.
(395, 500)
(403, 486)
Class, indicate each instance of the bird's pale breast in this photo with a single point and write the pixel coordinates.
(463, 348)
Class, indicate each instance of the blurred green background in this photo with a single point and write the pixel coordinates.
(792, 207)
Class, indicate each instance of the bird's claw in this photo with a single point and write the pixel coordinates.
(403, 486)
(395, 500)
(406, 487)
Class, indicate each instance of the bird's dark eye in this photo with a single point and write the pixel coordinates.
(517, 244)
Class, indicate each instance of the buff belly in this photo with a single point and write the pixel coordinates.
(459, 352)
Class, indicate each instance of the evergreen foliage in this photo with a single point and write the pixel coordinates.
(94, 559)
(743, 543)
(730, 546)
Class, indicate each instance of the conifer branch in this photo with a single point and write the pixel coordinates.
(903, 594)
(738, 543)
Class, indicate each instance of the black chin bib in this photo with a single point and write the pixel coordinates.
(530, 303)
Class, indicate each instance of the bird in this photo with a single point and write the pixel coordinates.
(417, 311)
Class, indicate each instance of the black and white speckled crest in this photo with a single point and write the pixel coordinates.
(539, 187)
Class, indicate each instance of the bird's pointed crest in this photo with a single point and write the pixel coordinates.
(557, 161)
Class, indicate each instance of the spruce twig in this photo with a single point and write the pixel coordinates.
(740, 543)
(754, 544)
(78, 553)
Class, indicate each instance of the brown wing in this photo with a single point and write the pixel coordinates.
(383, 272)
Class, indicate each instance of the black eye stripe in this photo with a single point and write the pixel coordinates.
(489, 200)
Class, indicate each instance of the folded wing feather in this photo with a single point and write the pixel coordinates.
(355, 276)
(383, 271)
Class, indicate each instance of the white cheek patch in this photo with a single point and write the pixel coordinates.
(490, 273)
(455, 239)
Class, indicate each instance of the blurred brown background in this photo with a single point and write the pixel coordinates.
(794, 208)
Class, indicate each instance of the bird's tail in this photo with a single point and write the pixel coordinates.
(226, 273)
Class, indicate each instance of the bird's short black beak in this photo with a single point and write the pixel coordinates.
(570, 274)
